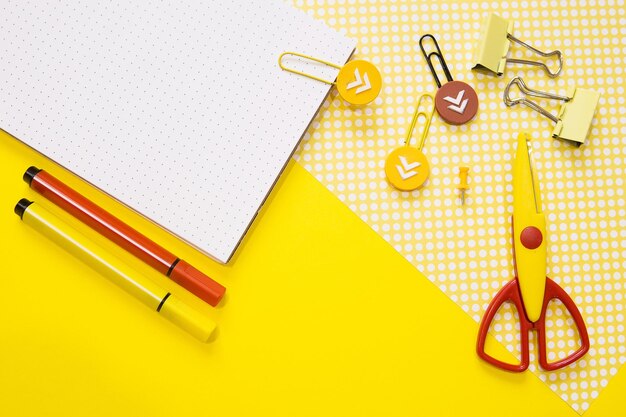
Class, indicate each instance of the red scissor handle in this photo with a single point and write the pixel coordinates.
(555, 292)
(511, 293)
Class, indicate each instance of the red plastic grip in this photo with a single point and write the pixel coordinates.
(197, 282)
(511, 292)
(102, 222)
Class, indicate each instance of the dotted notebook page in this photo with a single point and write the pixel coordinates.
(467, 251)
(176, 108)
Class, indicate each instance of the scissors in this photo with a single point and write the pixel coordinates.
(531, 290)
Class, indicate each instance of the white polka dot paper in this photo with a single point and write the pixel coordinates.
(466, 251)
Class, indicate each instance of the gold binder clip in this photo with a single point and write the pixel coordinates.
(575, 115)
(495, 39)
(358, 82)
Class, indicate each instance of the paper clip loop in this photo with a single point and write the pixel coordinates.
(311, 58)
(455, 101)
(439, 56)
(493, 46)
(428, 117)
(358, 82)
(407, 167)
(573, 121)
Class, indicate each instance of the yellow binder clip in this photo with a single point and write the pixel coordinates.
(575, 115)
(406, 167)
(493, 46)
(358, 82)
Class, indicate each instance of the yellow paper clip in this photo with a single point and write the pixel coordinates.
(406, 167)
(575, 115)
(358, 82)
(495, 39)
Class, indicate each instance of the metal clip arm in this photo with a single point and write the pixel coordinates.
(556, 53)
(524, 89)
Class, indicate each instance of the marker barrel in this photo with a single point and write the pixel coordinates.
(125, 236)
(148, 292)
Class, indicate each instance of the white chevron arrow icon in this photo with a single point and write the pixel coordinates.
(407, 172)
(363, 86)
(456, 101)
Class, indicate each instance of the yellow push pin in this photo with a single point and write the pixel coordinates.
(406, 167)
(463, 171)
(358, 82)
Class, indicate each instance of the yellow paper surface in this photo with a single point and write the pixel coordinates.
(467, 251)
(322, 316)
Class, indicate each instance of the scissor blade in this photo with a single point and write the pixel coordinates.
(529, 232)
(534, 179)
(526, 192)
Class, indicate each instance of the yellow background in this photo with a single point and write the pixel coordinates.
(322, 317)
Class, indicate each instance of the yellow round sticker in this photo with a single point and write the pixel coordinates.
(407, 168)
(359, 82)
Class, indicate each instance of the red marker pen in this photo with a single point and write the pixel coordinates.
(125, 236)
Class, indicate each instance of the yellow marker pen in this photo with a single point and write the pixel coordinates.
(115, 270)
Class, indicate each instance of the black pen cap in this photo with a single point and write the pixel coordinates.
(30, 174)
(21, 207)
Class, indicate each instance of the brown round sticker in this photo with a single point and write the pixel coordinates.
(456, 102)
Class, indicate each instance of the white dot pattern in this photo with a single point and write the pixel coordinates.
(466, 251)
(177, 108)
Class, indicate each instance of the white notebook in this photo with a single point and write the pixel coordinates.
(176, 108)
